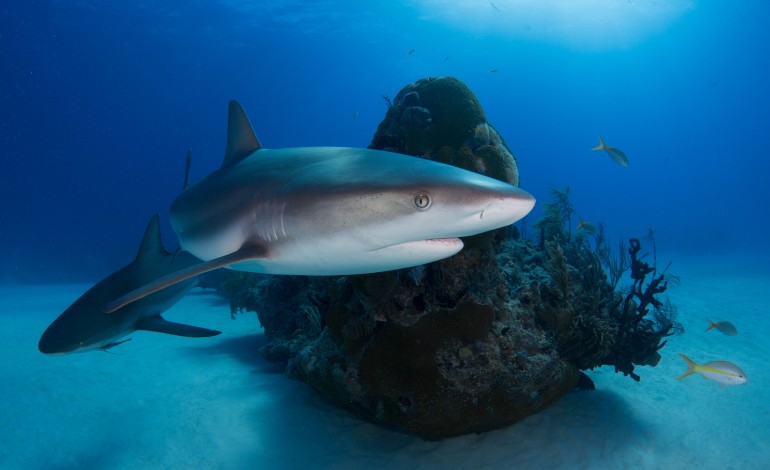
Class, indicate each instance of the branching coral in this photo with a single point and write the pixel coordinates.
(556, 264)
(314, 317)
(593, 325)
(556, 215)
(641, 338)
(564, 205)
(617, 263)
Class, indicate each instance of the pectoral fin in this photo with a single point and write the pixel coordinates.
(113, 344)
(244, 254)
(161, 325)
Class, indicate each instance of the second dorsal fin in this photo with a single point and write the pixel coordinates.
(241, 140)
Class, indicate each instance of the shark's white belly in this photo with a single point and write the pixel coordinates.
(294, 250)
(337, 259)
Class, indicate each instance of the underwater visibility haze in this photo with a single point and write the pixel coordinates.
(641, 128)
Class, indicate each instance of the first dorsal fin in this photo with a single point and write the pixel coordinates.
(151, 244)
(241, 140)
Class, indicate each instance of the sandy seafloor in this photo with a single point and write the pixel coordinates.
(167, 402)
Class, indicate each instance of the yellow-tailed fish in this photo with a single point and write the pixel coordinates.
(724, 327)
(493, 70)
(616, 155)
(410, 52)
(723, 372)
(581, 224)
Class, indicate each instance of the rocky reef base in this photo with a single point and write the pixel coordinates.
(473, 342)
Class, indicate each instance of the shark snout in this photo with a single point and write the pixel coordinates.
(51, 344)
(507, 209)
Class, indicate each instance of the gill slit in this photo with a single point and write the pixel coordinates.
(269, 220)
(272, 219)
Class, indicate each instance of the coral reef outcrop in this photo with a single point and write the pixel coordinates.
(470, 343)
(440, 119)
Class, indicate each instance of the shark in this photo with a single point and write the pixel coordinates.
(326, 211)
(615, 154)
(85, 327)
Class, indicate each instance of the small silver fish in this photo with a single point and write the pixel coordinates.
(616, 155)
(723, 372)
(724, 327)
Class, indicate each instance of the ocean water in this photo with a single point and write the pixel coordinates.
(101, 100)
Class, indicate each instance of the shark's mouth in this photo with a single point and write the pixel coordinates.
(423, 251)
(454, 242)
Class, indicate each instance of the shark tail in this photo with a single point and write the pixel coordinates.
(691, 367)
(601, 145)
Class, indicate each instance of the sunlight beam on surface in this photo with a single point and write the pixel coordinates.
(590, 24)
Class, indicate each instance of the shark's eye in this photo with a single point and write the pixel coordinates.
(422, 201)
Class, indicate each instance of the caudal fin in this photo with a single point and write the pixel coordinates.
(601, 145)
(711, 325)
(690, 367)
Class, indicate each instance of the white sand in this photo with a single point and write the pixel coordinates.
(168, 402)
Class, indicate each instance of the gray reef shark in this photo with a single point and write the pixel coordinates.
(84, 326)
(325, 211)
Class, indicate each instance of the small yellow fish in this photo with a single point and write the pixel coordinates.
(724, 327)
(616, 155)
(410, 52)
(722, 372)
(582, 224)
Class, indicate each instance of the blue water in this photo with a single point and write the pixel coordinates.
(99, 102)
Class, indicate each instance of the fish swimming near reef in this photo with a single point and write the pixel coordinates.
(324, 211)
(724, 327)
(84, 326)
(616, 155)
(723, 372)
